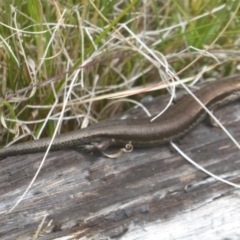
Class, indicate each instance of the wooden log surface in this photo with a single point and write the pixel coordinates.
(150, 193)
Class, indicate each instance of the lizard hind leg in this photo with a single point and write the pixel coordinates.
(127, 148)
(99, 146)
(106, 143)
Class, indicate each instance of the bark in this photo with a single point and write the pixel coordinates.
(147, 194)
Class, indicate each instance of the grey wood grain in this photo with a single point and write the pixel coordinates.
(146, 194)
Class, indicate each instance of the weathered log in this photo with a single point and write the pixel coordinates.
(146, 194)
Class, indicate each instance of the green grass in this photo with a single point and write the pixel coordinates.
(64, 59)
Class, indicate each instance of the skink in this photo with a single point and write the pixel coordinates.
(178, 120)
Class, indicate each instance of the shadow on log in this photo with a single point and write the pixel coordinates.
(146, 194)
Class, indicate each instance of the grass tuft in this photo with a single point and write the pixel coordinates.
(69, 59)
